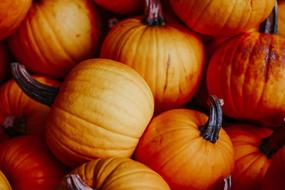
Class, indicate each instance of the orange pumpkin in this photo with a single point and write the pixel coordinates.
(12, 13)
(248, 73)
(222, 17)
(3, 62)
(188, 149)
(171, 59)
(113, 174)
(281, 20)
(19, 114)
(28, 164)
(101, 110)
(122, 6)
(4, 183)
(56, 35)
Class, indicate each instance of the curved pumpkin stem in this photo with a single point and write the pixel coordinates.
(74, 182)
(153, 13)
(40, 92)
(270, 25)
(274, 142)
(210, 131)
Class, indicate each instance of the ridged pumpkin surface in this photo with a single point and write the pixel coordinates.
(281, 19)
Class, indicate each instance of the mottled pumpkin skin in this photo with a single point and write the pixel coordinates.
(222, 17)
(251, 164)
(122, 6)
(12, 13)
(274, 178)
(173, 147)
(101, 111)
(171, 60)
(28, 164)
(247, 72)
(4, 183)
(3, 62)
(281, 19)
(56, 35)
(118, 174)
(16, 105)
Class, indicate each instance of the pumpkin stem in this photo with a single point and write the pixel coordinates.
(210, 131)
(40, 92)
(270, 145)
(153, 13)
(74, 182)
(270, 25)
(14, 126)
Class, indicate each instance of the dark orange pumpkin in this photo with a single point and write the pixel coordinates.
(3, 62)
(188, 149)
(56, 35)
(28, 164)
(222, 17)
(281, 20)
(170, 58)
(248, 73)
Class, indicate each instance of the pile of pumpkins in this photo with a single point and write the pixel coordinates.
(142, 94)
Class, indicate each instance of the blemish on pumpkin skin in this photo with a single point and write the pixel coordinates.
(77, 35)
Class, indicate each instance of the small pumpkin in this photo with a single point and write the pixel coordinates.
(170, 58)
(4, 183)
(27, 164)
(56, 35)
(113, 174)
(187, 148)
(101, 110)
(247, 72)
(12, 13)
(20, 114)
(281, 20)
(222, 17)
(3, 62)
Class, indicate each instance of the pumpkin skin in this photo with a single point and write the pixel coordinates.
(172, 146)
(122, 6)
(12, 13)
(281, 18)
(222, 17)
(118, 174)
(20, 112)
(172, 62)
(4, 183)
(101, 111)
(56, 35)
(244, 72)
(251, 164)
(3, 62)
(28, 164)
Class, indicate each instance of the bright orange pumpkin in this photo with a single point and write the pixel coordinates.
(101, 110)
(114, 174)
(4, 183)
(28, 164)
(12, 13)
(56, 35)
(281, 20)
(170, 58)
(222, 17)
(21, 114)
(3, 62)
(188, 149)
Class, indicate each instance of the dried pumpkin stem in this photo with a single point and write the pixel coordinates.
(210, 131)
(40, 92)
(74, 182)
(274, 142)
(153, 13)
(270, 25)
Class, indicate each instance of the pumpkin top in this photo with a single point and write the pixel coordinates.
(153, 13)
(270, 25)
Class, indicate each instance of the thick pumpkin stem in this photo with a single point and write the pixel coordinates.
(274, 142)
(270, 25)
(153, 13)
(210, 131)
(40, 92)
(74, 182)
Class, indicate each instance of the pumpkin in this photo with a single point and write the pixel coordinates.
(12, 13)
(56, 35)
(27, 164)
(247, 72)
(170, 59)
(20, 114)
(101, 110)
(222, 17)
(281, 20)
(122, 6)
(3, 62)
(187, 148)
(4, 183)
(113, 174)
